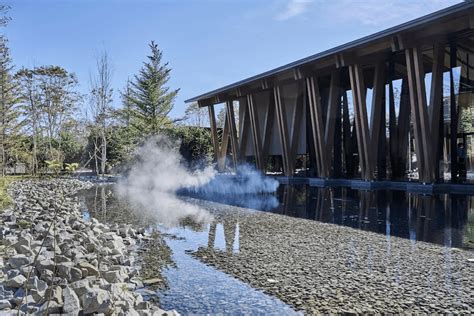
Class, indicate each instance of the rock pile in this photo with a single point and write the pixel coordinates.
(52, 260)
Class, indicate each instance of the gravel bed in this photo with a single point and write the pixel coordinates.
(325, 268)
(52, 260)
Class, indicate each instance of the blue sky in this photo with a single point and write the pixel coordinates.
(208, 43)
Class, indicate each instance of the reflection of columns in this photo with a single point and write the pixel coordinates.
(229, 235)
(321, 206)
(212, 235)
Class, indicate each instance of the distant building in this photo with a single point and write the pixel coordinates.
(295, 119)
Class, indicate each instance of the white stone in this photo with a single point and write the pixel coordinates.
(96, 301)
(71, 301)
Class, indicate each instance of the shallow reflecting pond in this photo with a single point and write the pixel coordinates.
(443, 218)
(193, 286)
(251, 262)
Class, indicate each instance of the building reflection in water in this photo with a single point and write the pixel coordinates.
(442, 219)
(225, 237)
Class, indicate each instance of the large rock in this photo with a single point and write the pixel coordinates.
(91, 270)
(96, 301)
(17, 261)
(75, 274)
(5, 304)
(115, 276)
(36, 284)
(46, 264)
(64, 269)
(16, 281)
(72, 304)
(51, 307)
(80, 287)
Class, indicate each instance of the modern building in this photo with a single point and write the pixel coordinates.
(395, 105)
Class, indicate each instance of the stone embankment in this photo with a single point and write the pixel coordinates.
(53, 260)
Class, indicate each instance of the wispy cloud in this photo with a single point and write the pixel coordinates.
(293, 9)
(376, 12)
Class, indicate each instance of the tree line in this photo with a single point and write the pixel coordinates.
(47, 125)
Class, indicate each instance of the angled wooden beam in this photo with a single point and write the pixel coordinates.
(436, 102)
(346, 130)
(283, 129)
(368, 135)
(254, 122)
(232, 132)
(360, 110)
(323, 131)
(267, 129)
(212, 121)
(317, 128)
(221, 160)
(296, 125)
(378, 96)
(392, 121)
(244, 127)
(334, 102)
(420, 116)
(399, 130)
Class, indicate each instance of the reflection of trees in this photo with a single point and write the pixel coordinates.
(153, 253)
(104, 205)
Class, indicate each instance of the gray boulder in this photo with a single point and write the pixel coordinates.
(96, 301)
(17, 261)
(16, 282)
(71, 301)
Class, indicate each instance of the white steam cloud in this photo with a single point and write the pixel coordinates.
(153, 181)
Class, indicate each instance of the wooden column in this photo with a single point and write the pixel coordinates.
(230, 116)
(399, 130)
(254, 122)
(346, 131)
(367, 135)
(454, 114)
(244, 127)
(323, 132)
(426, 120)
(316, 124)
(289, 135)
(296, 125)
(267, 130)
(360, 115)
(212, 121)
(282, 129)
(221, 160)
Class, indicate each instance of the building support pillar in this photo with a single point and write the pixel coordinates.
(426, 120)
(367, 135)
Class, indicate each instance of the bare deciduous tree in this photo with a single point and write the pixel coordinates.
(101, 106)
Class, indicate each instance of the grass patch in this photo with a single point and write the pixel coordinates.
(5, 199)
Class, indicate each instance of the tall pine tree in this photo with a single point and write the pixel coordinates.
(9, 110)
(149, 99)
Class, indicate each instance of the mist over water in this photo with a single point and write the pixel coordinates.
(153, 181)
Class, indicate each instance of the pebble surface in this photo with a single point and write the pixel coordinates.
(53, 261)
(324, 268)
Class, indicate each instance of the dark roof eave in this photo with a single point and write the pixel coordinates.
(338, 49)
